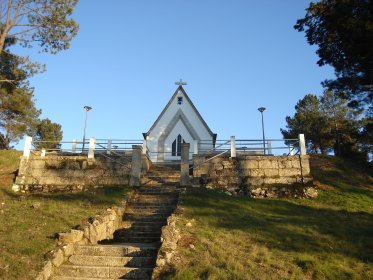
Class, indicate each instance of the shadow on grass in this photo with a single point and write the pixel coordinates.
(99, 196)
(285, 225)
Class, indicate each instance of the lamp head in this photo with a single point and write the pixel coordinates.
(261, 109)
(87, 108)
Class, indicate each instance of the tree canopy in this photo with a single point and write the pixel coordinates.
(18, 114)
(343, 32)
(46, 23)
(328, 123)
(49, 133)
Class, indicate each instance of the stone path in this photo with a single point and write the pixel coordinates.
(133, 251)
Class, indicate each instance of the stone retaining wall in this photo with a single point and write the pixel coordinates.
(54, 173)
(169, 238)
(100, 227)
(258, 176)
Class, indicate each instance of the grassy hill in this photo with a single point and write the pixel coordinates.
(28, 223)
(330, 237)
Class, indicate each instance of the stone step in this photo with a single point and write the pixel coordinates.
(159, 183)
(169, 167)
(156, 191)
(153, 198)
(150, 224)
(148, 217)
(151, 204)
(118, 250)
(138, 239)
(147, 262)
(160, 206)
(153, 195)
(156, 196)
(146, 228)
(148, 211)
(136, 233)
(104, 272)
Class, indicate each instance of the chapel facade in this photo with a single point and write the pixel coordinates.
(179, 122)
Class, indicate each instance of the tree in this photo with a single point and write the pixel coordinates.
(18, 114)
(309, 120)
(47, 131)
(329, 125)
(42, 22)
(343, 32)
(344, 123)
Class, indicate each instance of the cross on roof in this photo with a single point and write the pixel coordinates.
(180, 83)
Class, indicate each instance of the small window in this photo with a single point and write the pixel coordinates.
(179, 100)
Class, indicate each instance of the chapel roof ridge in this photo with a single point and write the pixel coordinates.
(180, 87)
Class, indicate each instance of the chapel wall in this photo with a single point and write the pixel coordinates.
(256, 176)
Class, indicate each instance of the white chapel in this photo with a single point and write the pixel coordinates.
(179, 122)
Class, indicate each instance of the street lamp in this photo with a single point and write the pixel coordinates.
(86, 108)
(261, 110)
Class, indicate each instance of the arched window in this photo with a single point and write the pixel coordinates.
(176, 146)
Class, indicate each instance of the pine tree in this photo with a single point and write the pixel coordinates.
(47, 131)
(18, 114)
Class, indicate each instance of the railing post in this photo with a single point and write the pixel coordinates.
(136, 166)
(27, 146)
(184, 165)
(195, 150)
(91, 151)
(269, 147)
(42, 154)
(145, 145)
(233, 147)
(302, 144)
(291, 150)
(73, 146)
(108, 148)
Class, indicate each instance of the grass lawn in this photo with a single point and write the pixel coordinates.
(27, 233)
(330, 237)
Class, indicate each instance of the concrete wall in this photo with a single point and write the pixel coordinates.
(258, 176)
(72, 173)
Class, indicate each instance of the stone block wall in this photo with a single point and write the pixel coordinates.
(268, 176)
(71, 173)
(101, 227)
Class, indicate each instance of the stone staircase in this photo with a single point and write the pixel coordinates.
(133, 251)
(162, 175)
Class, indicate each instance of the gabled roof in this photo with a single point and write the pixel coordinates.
(191, 103)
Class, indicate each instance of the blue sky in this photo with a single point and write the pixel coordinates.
(235, 55)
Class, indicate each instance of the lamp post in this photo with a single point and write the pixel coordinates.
(261, 110)
(86, 108)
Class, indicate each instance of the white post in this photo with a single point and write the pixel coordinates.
(302, 144)
(42, 154)
(269, 147)
(73, 146)
(27, 146)
(108, 148)
(233, 147)
(195, 149)
(291, 150)
(91, 151)
(144, 145)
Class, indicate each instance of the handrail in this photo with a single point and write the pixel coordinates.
(215, 148)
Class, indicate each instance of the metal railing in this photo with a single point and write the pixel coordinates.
(208, 148)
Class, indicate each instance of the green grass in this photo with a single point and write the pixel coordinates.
(330, 237)
(27, 233)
